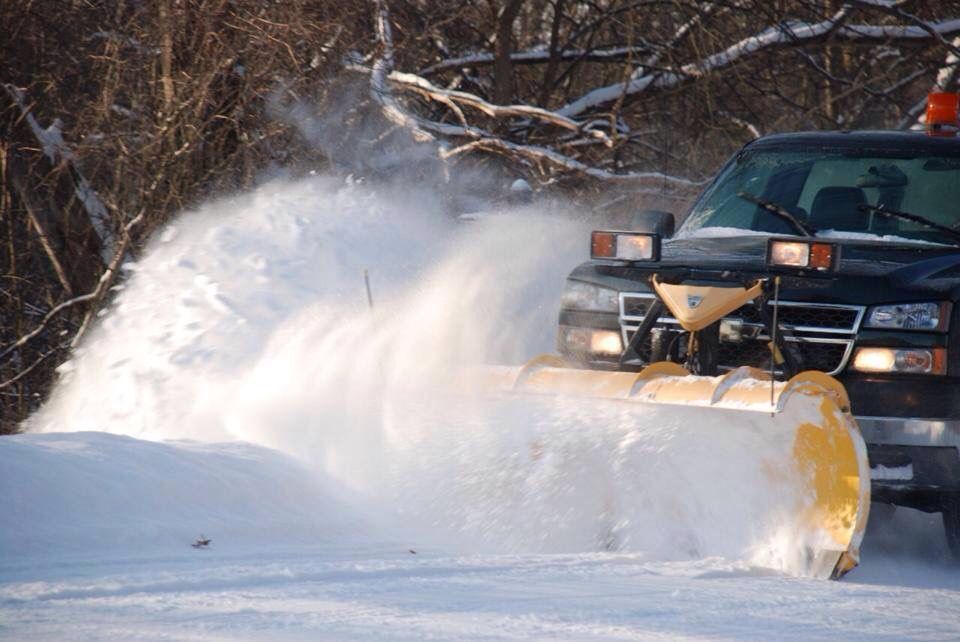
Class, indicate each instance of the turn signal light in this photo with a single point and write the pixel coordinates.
(624, 246)
(603, 245)
(801, 254)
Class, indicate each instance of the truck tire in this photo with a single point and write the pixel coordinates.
(951, 524)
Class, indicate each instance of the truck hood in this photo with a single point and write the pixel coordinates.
(869, 272)
(903, 263)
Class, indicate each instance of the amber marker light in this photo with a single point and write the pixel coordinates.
(821, 256)
(603, 245)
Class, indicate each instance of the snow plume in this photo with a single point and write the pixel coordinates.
(263, 296)
(248, 320)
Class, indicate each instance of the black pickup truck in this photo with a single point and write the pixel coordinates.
(883, 318)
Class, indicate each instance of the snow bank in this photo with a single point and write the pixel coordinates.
(102, 495)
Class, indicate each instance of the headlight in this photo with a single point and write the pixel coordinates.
(587, 341)
(585, 296)
(906, 360)
(801, 254)
(909, 316)
(624, 246)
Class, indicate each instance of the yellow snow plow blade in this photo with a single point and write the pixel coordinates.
(828, 454)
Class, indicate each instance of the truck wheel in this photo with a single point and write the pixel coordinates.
(951, 524)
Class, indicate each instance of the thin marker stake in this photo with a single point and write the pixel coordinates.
(774, 348)
(366, 282)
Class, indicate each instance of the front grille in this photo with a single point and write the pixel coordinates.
(823, 333)
(819, 317)
(634, 306)
(828, 357)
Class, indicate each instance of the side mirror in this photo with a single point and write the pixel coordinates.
(654, 222)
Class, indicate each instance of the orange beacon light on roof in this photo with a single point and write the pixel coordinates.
(942, 118)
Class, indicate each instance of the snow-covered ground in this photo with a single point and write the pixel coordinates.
(241, 388)
(98, 527)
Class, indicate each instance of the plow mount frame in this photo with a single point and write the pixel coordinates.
(703, 329)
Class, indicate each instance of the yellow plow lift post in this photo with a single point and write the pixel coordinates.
(828, 451)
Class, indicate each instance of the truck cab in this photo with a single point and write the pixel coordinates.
(880, 315)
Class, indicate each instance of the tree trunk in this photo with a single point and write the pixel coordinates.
(166, 55)
(551, 72)
(503, 66)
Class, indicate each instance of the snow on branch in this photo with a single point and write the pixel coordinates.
(948, 73)
(382, 67)
(383, 79)
(425, 88)
(483, 140)
(790, 34)
(57, 151)
(537, 57)
(947, 77)
(894, 8)
(121, 39)
(544, 154)
(682, 32)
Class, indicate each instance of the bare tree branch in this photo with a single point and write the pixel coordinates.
(382, 67)
(56, 150)
(947, 77)
(537, 57)
(893, 8)
(795, 34)
(106, 279)
(422, 86)
(23, 373)
(542, 154)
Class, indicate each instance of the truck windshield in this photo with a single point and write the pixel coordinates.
(836, 192)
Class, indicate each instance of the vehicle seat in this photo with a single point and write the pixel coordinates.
(835, 208)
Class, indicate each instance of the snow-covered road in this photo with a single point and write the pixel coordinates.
(390, 594)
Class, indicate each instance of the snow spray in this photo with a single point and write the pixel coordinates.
(250, 319)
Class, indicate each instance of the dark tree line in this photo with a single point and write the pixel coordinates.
(117, 114)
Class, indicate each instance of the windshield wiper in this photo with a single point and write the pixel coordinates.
(781, 211)
(914, 218)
